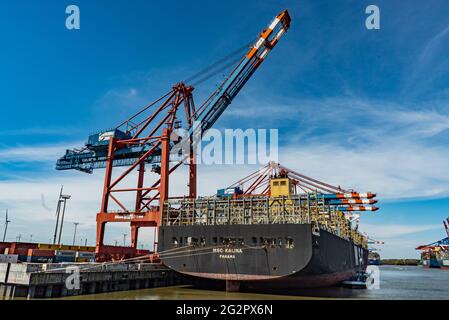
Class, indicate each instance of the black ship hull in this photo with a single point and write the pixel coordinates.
(271, 256)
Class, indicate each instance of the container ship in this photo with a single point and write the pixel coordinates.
(276, 238)
(430, 259)
(373, 258)
(444, 261)
(373, 255)
(436, 255)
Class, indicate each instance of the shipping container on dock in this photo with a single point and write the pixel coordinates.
(116, 253)
(3, 246)
(16, 247)
(86, 249)
(40, 255)
(85, 256)
(64, 256)
(46, 246)
(9, 258)
(22, 253)
(42, 252)
(65, 247)
(142, 252)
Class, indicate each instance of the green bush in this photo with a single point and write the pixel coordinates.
(400, 262)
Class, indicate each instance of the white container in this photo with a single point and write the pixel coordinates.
(65, 253)
(9, 258)
(85, 254)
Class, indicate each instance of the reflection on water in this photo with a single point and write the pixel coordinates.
(181, 293)
(396, 282)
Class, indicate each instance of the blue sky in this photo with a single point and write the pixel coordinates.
(365, 109)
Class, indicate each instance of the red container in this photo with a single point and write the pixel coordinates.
(141, 252)
(15, 246)
(3, 246)
(41, 253)
(20, 252)
(115, 253)
(120, 250)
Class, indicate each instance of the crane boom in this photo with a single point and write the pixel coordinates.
(446, 226)
(229, 89)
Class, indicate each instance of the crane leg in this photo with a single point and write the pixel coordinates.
(140, 185)
(134, 235)
(165, 171)
(100, 236)
(192, 175)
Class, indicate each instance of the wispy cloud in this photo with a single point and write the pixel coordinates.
(124, 98)
(387, 231)
(345, 116)
(400, 240)
(40, 131)
(397, 150)
(395, 171)
(430, 64)
(36, 153)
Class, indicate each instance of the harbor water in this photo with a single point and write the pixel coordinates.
(396, 282)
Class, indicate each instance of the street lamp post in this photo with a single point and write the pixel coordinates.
(74, 232)
(6, 225)
(58, 209)
(64, 199)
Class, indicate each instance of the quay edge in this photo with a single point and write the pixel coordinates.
(32, 280)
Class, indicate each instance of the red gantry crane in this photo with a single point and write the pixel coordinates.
(436, 254)
(145, 139)
(443, 243)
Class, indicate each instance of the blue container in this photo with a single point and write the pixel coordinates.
(229, 192)
(59, 259)
(101, 139)
(37, 259)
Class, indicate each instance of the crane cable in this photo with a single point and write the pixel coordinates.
(217, 66)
